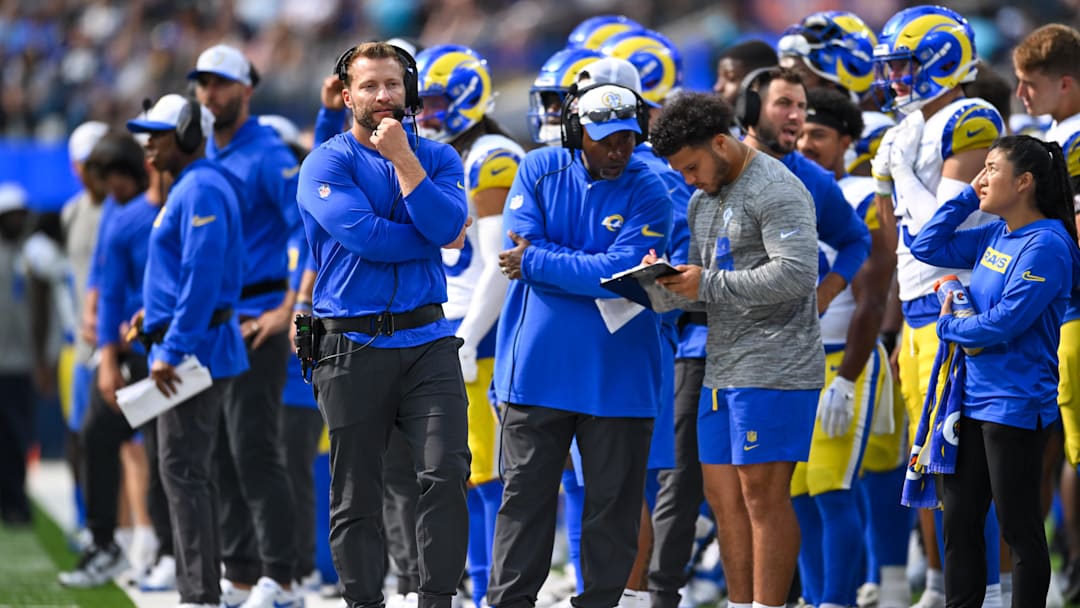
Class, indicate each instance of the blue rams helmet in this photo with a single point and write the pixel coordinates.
(657, 60)
(835, 45)
(938, 46)
(549, 91)
(460, 75)
(595, 31)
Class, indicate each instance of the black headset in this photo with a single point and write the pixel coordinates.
(571, 121)
(413, 102)
(189, 133)
(748, 101)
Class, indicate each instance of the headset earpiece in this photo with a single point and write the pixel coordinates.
(189, 134)
(748, 102)
(413, 102)
(571, 122)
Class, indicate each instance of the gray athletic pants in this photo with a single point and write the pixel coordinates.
(614, 453)
(363, 393)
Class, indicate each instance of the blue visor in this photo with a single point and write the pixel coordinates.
(139, 125)
(600, 130)
(194, 75)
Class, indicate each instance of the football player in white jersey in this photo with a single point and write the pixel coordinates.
(1047, 66)
(924, 55)
(823, 488)
(455, 85)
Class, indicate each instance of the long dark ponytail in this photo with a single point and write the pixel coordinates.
(1046, 163)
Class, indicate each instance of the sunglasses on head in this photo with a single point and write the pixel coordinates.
(606, 114)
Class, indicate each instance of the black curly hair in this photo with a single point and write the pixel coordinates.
(691, 119)
(834, 109)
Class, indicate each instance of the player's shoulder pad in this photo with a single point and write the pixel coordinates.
(492, 163)
(1072, 153)
(973, 125)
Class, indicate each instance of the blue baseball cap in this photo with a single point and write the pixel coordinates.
(165, 115)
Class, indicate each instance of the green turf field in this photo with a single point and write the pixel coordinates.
(30, 559)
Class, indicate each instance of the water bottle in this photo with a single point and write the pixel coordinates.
(961, 303)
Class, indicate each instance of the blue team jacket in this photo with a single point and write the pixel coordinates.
(837, 224)
(267, 172)
(194, 266)
(374, 248)
(1020, 284)
(552, 347)
(123, 243)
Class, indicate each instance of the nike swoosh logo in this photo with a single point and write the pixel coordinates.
(1027, 276)
(460, 186)
(971, 133)
(288, 173)
(202, 221)
(646, 232)
(784, 235)
(747, 448)
(499, 170)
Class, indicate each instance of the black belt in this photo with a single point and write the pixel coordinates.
(221, 315)
(385, 323)
(692, 318)
(263, 287)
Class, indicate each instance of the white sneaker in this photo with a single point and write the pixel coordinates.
(267, 593)
(162, 576)
(557, 587)
(403, 600)
(930, 599)
(312, 582)
(635, 599)
(197, 606)
(867, 596)
(231, 595)
(97, 566)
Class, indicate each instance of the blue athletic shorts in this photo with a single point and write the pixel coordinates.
(755, 425)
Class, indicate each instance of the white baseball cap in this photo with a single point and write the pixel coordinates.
(165, 115)
(12, 197)
(225, 61)
(608, 109)
(285, 128)
(613, 70)
(84, 138)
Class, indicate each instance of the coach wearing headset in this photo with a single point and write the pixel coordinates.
(378, 203)
(194, 267)
(571, 359)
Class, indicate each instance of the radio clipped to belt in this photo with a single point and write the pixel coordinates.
(305, 346)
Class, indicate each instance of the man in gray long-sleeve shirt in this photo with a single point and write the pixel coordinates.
(753, 267)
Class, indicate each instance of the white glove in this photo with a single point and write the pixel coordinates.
(467, 356)
(879, 165)
(836, 407)
(904, 151)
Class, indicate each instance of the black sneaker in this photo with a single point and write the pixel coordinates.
(97, 566)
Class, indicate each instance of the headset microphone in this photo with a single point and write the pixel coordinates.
(399, 114)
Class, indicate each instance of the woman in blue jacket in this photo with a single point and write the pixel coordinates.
(1024, 269)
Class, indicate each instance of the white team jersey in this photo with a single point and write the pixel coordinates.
(965, 124)
(859, 193)
(1067, 134)
(491, 162)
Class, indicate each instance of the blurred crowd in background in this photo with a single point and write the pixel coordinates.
(68, 61)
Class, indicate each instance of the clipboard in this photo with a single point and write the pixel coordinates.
(630, 283)
(143, 401)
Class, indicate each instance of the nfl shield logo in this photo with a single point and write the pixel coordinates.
(324, 191)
